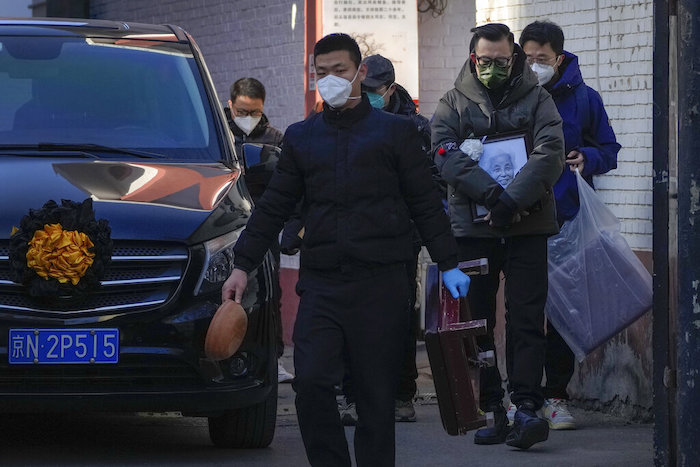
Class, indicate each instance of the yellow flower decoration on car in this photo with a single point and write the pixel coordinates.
(61, 254)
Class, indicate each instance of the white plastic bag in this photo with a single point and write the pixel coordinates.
(597, 285)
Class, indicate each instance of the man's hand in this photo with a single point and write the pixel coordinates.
(235, 286)
(575, 160)
(516, 217)
(456, 282)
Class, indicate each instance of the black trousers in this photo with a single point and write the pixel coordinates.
(523, 261)
(409, 371)
(275, 250)
(362, 320)
(558, 365)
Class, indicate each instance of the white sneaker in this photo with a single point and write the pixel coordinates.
(511, 413)
(556, 412)
(283, 376)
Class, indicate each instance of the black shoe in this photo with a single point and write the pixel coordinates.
(527, 428)
(498, 432)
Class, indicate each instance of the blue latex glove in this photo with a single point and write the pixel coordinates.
(456, 282)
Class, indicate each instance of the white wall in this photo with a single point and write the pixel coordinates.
(614, 42)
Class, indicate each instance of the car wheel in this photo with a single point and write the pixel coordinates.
(249, 427)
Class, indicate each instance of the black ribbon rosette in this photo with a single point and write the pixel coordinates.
(60, 250)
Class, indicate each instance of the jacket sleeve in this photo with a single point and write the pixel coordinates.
(423, 199)
(423, 126)
(457, 168)
(275, 206)
(544, 166)
(600, 147)
(277, 137)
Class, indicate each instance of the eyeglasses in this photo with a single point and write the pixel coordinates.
(246, 113)
(500, 62)
(541, 60)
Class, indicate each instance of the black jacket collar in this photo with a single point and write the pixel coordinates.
(401, 102)
(346, 118)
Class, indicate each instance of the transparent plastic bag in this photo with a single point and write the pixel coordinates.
(597, 285)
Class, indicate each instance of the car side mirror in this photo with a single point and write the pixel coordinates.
(260, 158)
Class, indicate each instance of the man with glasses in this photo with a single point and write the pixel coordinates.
(249, 124)
(497, 93)
(590, 147)
(246, 117)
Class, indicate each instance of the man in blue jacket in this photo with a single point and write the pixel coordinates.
(363, 179)
(591, 148)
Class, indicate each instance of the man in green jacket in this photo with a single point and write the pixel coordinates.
(497, 93)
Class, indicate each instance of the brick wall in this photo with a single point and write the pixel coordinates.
(613, 39)
(239, 38)
(443, 43)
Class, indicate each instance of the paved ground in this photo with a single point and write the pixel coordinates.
(169, 439)
(600, 440)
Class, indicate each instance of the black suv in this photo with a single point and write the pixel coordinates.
(124, 118)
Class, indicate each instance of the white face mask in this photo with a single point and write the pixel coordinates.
(336, 90)
(247, 124)
(544, 72)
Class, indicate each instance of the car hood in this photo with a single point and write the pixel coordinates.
(140, 200)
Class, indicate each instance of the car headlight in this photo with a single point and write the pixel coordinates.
(218, 262)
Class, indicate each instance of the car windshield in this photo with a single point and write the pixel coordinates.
(144, 95)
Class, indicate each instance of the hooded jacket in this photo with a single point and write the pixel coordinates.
(586, 129)
(363, 178)
(466, 111)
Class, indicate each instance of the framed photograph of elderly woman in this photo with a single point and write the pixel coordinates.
(504, 155)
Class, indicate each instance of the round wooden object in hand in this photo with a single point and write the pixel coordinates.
(226, 331)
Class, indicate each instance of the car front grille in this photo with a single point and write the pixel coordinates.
(140, 275)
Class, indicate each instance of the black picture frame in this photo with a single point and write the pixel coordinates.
(516, 146)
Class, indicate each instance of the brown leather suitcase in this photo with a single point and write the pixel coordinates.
(454, 358)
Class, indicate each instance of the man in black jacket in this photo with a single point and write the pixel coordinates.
(246, 116)
(363, 178)
(385, 93)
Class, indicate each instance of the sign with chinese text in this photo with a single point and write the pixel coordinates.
(386, 27)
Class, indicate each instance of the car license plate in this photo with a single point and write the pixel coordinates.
(63, 346)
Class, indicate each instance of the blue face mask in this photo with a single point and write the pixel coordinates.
(377, 100)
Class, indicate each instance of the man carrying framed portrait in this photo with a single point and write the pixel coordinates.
(502, 157)
(496, 96)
